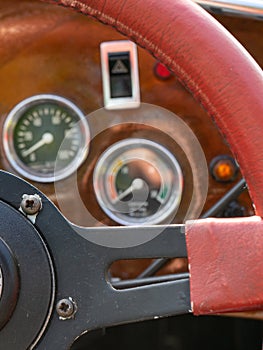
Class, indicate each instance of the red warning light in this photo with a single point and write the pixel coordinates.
(161, 71)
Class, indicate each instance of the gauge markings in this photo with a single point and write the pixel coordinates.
(137, 181)
(65, 154)
(56, 120)
(56, 117)
(44, 132)
(37, 121)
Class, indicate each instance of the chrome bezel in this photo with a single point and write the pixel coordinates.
(122, 102)
(106, 161)
(244, 8)
(8, 139)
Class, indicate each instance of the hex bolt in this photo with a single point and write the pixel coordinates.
(66, 308)
(31, 204)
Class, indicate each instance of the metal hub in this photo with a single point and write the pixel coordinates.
(26, 283)
(49, 315)
(9, 283)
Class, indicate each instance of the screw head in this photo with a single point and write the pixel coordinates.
(31, 204)
(66, 308)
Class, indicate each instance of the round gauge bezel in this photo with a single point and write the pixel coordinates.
(8, 138)
(106, 162)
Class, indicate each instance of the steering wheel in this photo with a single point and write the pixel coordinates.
(224, 254)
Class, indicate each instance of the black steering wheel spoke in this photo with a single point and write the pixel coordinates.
(80, 295)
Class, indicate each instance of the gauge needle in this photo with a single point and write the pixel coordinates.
(159, 199)
(137, 184)
(46, 139)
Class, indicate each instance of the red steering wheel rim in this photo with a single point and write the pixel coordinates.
(229, 84)
(206, 59)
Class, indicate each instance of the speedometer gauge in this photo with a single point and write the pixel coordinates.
(43, 130)
(137, 181)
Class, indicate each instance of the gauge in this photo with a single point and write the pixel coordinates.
(137, 181)
(45, 133)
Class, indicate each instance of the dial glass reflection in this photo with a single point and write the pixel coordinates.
(137, 181)
(134, 176)
(39, 134)
(46, 138)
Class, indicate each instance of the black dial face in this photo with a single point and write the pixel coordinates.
(39, 134)
(48, 133)
(135, 178)
(137, 181)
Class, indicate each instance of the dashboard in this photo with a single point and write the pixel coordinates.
(111, 155)
(160, 160)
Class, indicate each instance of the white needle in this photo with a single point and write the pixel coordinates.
(46, 139)
(137, 184)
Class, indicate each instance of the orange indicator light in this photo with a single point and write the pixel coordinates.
(224, 168)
